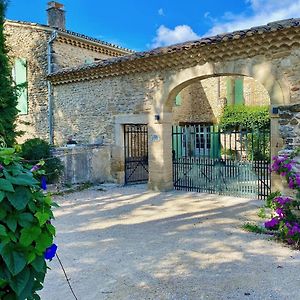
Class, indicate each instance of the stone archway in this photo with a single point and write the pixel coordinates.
(264, 72)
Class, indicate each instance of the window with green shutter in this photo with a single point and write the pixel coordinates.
(20, 78)
(235, 91)
(178, 100)
(239, 91)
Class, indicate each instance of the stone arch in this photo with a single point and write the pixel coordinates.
(275, 84)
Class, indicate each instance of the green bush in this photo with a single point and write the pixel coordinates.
(245, 117)
(37, 149)
(26, 232)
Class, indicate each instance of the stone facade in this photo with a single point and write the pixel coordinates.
(149, 82)
(30, 41)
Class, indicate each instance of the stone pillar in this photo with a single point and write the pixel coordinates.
(277, 144)
(160, 153)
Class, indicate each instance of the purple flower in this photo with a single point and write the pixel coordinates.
(280, 213)
(283, 174)
(272, 223)
(291, 183)
(43, 183)
(50, 252)
(282, 200)
(35, 168)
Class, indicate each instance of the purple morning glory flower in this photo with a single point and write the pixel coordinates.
(43, 183)
(291, 183)
(272, 223)
(35, 168)
(282, 200)
(280, 213)
(50, 252)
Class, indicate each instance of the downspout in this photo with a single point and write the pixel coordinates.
(50, 90)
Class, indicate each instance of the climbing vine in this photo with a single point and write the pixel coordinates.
(26, 232)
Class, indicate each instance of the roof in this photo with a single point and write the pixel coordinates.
(74, 34)
(177, 48)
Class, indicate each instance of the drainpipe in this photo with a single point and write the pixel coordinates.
(50, 96)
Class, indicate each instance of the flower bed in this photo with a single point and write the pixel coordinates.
(285, 213)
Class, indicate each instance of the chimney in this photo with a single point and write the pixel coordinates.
(56, 15)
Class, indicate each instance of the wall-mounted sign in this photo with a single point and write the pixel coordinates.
(155, 138)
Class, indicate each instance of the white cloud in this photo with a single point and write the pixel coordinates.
(166, 36)
(161, 12)
(263, 11)
(259, 12)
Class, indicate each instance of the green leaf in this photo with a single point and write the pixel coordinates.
(19, 282)
(51, 229)
(19, 198)
(25, 179)
(42, 217)
(11, 222)
(44, 241)
(7, 151)
(30, 257)
(15, 261)
(28, 290)
(28, 235)
(25, 219)
(5, 185)
(2, 196)
(3, 213)
(39, 264)
(3, 230)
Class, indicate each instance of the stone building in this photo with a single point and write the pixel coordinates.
(142, 89)
(93, 90)
(37, 50)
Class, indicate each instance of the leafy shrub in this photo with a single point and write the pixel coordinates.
(37, 149)
(248, 117)
(26, 234)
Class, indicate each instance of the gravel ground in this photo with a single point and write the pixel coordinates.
(132, 244)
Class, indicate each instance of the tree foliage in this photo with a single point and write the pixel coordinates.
(8, 92)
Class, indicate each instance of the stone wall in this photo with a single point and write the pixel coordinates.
(85, 163)
(86, 110)
(289, 125)
(66, 55)
(31, 44)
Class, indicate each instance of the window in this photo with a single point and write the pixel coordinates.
(20, 78)
(178, 100)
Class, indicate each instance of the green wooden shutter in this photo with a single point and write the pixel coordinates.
(178, 100)
(239, 91)
(215, 148)
(20, 74)
(229, 91)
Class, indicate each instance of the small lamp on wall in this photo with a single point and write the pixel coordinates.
(157, 117)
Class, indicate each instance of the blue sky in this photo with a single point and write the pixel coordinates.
(142, 25)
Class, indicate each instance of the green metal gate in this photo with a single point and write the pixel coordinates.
(235, 163)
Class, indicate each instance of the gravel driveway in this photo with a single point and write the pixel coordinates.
(129, 243)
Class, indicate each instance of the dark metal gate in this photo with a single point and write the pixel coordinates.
(136, 153)
(235, 163)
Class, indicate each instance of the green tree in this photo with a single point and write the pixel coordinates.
(8, 91)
